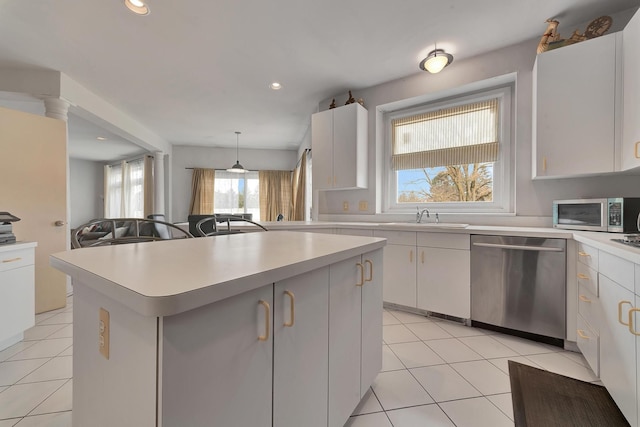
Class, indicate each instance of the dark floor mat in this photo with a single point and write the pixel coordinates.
(542, 398)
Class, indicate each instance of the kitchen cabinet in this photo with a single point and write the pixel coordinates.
(577, 101)
(618, 347)
(205, 372)
(339, 144)
(301, 357)
(355, 311)
(631, 94)
(17, 292)
(399, 276)
(261, 344)
(444, 278)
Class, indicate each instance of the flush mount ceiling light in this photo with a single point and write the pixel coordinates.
(137, 6)
(237, 168)
(101, 138)
(436, 61)
(275, 86)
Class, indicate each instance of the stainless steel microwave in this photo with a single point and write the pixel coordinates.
(613, 215)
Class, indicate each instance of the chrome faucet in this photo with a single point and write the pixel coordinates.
(420, 213)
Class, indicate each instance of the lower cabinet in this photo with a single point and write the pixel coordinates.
(618, 347)
(300, 352)
(400, 275)
(444, 281)
(355, 332)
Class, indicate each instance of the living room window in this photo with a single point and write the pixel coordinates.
(129, 188)
(452, 156)
(237, 193)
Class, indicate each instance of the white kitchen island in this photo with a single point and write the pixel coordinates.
(257, 329)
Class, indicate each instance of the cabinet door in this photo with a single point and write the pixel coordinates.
(300, 359)
(349, 146)
(444, 281)
(322, 145)
(399, 277)
(17, 296)
(574, 109)
(631, 84)
(618, 347)
(371, 362)
(345, 283)
(216, 372)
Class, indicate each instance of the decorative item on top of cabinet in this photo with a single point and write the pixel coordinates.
(333, 104)
(551, 39)
(351, 99)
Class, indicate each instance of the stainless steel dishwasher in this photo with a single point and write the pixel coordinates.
(519, 283)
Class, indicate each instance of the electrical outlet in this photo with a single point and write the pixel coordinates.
(103, 333)
(363, 205)
(345, 206)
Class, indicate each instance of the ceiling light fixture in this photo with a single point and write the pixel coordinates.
(237, 168)
(138, 7)
(275, 86)
(436, 61)
(101, 138)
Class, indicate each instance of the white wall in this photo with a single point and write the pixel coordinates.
(532, 198)
(87, 188)
(217, 158)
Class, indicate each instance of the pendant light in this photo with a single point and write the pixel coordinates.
(237, 168)
(436, 61)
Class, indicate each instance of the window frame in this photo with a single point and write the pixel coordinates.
(244, 177)
(502, 169)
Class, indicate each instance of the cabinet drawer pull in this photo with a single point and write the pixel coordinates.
(411, 255)
(581, 253)
(267, 315)
(422, 257)
(293, 302)
(11, 260)
(361, 267)
(636, 150)
(620, 304)
(582, 335)
(544, 164)
(631, 329)
(584, 299)
(582, 276)
(370, 278)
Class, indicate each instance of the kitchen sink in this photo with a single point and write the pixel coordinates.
(430, 224)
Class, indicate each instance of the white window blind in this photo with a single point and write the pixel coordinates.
(451, 136)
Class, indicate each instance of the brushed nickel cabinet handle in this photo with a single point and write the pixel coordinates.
(422, 257)
(293, 302)
(267, 314)
(411, 255)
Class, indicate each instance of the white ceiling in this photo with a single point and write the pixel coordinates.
(194, 72)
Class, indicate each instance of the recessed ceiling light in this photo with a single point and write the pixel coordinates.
(137, 6)
(275, 86)
(101, 138)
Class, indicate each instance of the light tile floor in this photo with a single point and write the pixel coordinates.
(435, 373)
(438, 373)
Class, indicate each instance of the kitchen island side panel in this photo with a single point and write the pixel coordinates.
(120, 390)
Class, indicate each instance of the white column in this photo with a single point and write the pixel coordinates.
(56, 108)
(158, 182)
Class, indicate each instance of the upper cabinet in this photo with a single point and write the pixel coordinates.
(339, 144)
(576, 108)
(631, 81)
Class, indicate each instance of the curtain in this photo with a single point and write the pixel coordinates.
(299, 188)
(451, 136)
(202, 188)
(275, 195)
(113, 191)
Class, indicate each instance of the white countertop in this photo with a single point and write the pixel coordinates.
(170, 277)
(17, 246)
